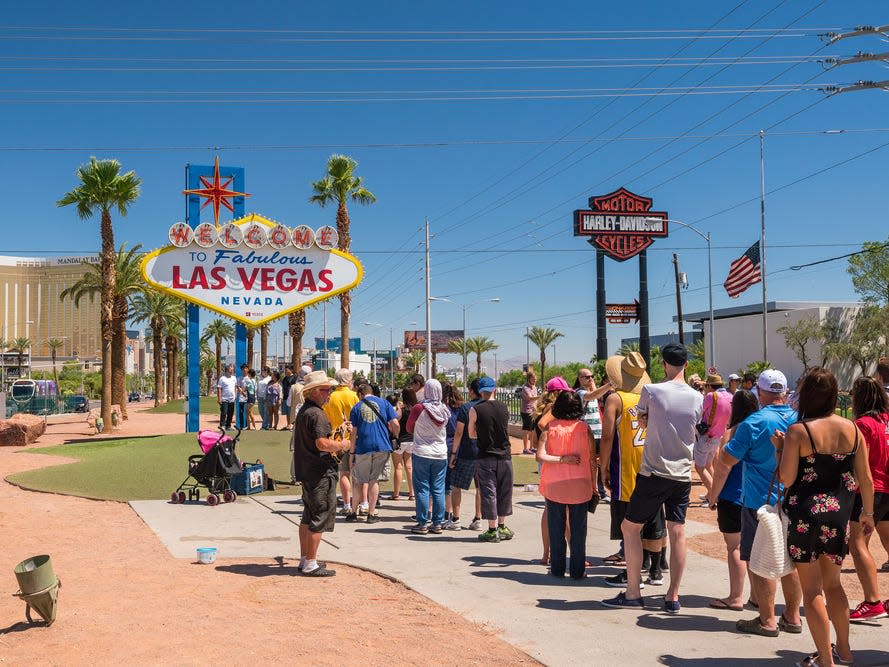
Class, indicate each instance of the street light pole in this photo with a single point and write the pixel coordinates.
(465, 307)
(706, 237)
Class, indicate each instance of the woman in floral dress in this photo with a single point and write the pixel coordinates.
(824, 462)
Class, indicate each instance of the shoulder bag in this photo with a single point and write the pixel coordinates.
(769, 557)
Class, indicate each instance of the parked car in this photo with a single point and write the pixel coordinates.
(79, 403)
(134, 396)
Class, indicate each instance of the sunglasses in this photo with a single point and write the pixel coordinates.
(585, 377)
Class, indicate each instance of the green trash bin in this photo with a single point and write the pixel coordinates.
(38, 587)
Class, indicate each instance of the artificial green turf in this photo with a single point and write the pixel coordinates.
(209, 406)
(152, 468)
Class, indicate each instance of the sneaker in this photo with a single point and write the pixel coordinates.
(344, 511)
(351, 517)
(604, 499)
(672, 606)
(453, 524)
(475, 524)
(505, 533)
(435, 529)
(490, 535)
(419, 529)
(620, 580)
(373, 518)
(621, 602)
(867, 611)
(655, 578)
(362, 508)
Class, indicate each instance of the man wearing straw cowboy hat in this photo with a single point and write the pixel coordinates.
(623, 439)
(316, 469)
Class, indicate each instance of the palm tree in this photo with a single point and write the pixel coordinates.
(339, 185)
(478, 345)
(414, 359)
(543, 337)
(102, 187)
(128, 282)
(626, 348)
(157, 309)
(263, 346)
(208, 363)
(54, 344)
(219, 330)
(696, 350)
(174, 330)
(20, 346)
(251, 334)
(296, 325)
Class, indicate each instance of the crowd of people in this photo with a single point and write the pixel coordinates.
(631, 444)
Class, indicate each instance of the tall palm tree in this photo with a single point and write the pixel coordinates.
(20, 346)
(263, 346)
(478, 345)
(414, 360)
(339, 185)
(156, 309)
(219, 330)
(296, 326)
(128, 282)
(103, 187)
(208, 363)
(174, 333)
(54, 344)
(543, 337)
(251, 334)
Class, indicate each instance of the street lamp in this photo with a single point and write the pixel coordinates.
(706, 237)
(465, 307)
(391, 353)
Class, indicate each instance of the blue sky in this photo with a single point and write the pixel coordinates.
(169, 81)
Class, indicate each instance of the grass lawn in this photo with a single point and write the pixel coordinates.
(151, 468)
(209, 406)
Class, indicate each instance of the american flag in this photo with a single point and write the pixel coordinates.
(743, 272)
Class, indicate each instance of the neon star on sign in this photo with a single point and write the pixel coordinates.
(216, 192)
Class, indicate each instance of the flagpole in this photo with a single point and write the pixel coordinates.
(762, 242)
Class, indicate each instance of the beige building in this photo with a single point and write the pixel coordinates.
(30, 305)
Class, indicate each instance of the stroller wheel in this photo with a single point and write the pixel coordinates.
(229, 496)
(212, 499)
(182, 496)
(174, 498)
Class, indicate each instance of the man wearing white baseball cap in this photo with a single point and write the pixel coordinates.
(752, 445)
(734, 381)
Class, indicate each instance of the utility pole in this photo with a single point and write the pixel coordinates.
(428, 309)
(678, 299)
(528, 347)
(762, 242)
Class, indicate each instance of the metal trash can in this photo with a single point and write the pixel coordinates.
(38, 587)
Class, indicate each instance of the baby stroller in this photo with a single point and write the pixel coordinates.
(212, 469)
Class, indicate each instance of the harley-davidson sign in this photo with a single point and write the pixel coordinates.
(621, 223)
(252, 269)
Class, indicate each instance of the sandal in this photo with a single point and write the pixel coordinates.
(411, 498)
(791, 628)
(614, 559)
(320, 572)
(751, 603)
(722, 604)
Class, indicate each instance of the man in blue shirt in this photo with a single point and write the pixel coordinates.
(752, 446)
(374, 423)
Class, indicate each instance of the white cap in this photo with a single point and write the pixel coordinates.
(772, 381)
(734, 376)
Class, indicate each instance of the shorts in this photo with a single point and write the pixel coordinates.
(345, 466)
(369, 467)
(405, 448)
(655, 529)
(463, 473)
(526, 422)
(494, 480)
(319, 503)
(652, 492)
(728, 516)
(447, 479)
(749, 521)
(881, 507)
(705, 449)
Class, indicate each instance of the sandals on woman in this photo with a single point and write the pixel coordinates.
(811, 660)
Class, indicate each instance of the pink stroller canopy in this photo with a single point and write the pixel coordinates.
(206, 439)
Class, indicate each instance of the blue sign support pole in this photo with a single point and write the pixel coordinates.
(193, 175)
(240, 358)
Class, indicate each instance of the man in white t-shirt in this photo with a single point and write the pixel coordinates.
(261, 388)
(226, 390)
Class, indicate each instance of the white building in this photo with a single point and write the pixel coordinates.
(738, 334)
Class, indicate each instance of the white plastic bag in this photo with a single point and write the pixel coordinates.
(769, 557)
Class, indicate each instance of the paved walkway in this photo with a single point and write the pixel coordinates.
(559, 622)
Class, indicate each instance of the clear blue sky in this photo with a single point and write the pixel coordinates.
(182, 78)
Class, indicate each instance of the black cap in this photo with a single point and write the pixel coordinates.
(674, 354)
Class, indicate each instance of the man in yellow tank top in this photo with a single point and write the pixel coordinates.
(623, 441)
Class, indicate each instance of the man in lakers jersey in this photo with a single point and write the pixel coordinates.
(623, 441)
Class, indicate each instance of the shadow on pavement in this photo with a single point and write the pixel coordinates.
(527, 578)
(502, 561)
(262, 569)
(866, 658)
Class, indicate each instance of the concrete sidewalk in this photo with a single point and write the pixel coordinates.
(559, 622)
